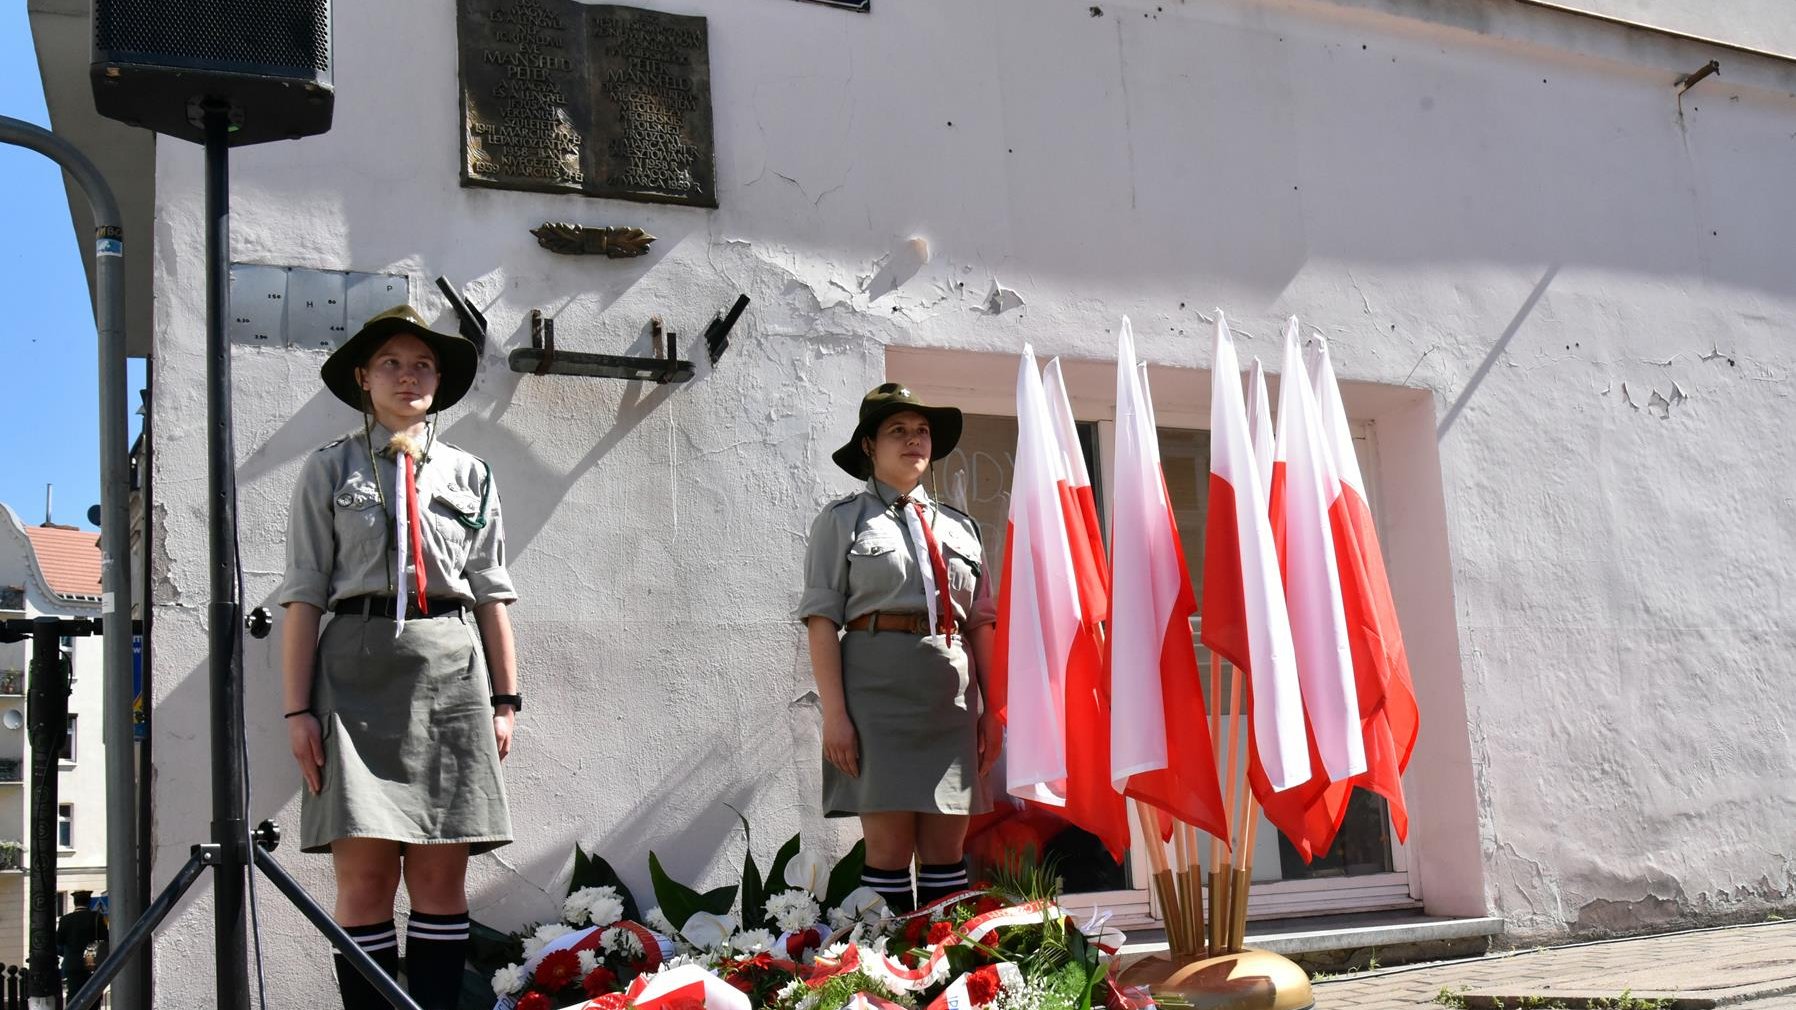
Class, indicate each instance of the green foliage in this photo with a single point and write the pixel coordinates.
(776, 876)
(835, 993)
(1026, 879)
(846, 876)
(754, 888)
(1626, 1001)
(593, 871)
(679, 902)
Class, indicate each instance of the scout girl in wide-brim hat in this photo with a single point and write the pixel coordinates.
(899, 621)
(399, 675)
(883, 401)
(458, 360)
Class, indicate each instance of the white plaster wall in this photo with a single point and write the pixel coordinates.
(1760, 24)
(1512, 231)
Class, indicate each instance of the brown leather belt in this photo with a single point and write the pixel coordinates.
(909, 622)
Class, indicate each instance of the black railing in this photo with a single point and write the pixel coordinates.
(12, 987)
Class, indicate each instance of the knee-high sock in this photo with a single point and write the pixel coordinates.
(892, 885)
(938, 880)
(436, 948)
(380, 942)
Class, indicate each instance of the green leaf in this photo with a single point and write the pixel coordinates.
(776, 877)
(678, 902)
(847, 875)
(593, 871)
(754, 889)
(718, 901)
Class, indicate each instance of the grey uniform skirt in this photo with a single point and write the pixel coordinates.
(913, 705)
(409, 751)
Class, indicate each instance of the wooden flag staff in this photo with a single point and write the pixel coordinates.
(1209, 965)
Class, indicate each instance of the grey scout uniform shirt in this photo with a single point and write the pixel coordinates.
(338, 533)
(859, 559)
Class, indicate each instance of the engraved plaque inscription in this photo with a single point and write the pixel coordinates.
(605, 100)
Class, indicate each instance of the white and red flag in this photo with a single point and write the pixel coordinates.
(1092, 802)
(1039, 615)
(1244, 617)
(1259, 421)
(1389, 717)
(1160, 750)
(1082, 517)
(1301, 495)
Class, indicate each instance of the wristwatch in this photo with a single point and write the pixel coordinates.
(516, 701)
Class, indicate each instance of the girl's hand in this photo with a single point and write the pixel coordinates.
(991, 741)
(841, 745)
(504, 724)
(307, 741)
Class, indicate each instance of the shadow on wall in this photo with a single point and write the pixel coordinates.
(1496, 351)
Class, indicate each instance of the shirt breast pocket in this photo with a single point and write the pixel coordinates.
(357, 517)
(964, 562)
(454, 516)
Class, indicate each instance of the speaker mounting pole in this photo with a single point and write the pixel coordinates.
(230, 828)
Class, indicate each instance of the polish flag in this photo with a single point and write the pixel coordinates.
(1310, 815)
(1091, 802)
(1389, 717)
(1244, 617)
(1160, 750)
(1038, 609)
(1259, 420)
(1082, 518)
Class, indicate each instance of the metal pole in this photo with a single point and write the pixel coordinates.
(230, 830)
(122, 885)
(225, 628)
(339, 938)
(48, 709)
(139, 934)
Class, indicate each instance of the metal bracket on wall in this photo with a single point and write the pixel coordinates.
(664, 365)
(473, 322)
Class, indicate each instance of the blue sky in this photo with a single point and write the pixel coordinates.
(49, 385)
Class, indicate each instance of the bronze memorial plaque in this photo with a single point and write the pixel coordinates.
(567, 97)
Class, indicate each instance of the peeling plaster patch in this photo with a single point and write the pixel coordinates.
(1677, 394)
(1627, 397)
(893, 270)
(1603, 916)
(1659, 405)
(1001, 300)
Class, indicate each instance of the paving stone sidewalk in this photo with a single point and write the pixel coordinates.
(1745, 967)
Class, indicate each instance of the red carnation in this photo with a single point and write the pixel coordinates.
(983, 985)
(684, 1003)
(599, 981)
(909, 959)
(987, 904)
(915, 930)
(939, 932)
(535, 1001)
(557, 970)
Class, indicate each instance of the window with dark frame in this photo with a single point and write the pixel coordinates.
(68, 742)
(65, 825)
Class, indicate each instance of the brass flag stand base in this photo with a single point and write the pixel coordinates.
(1243, 980)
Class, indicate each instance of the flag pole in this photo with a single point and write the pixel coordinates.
(1245, 874)
(1242, 827)
(1217, 906)
(1156, 860)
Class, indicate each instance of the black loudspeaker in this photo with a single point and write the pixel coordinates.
(156, 61)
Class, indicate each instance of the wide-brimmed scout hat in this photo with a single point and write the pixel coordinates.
(457, 357)
(882, 402)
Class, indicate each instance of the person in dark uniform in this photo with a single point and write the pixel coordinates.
(79, 928)
(400, 712)
(899, 615)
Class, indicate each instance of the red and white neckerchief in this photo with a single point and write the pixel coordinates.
(928, 555)
(408, 532)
